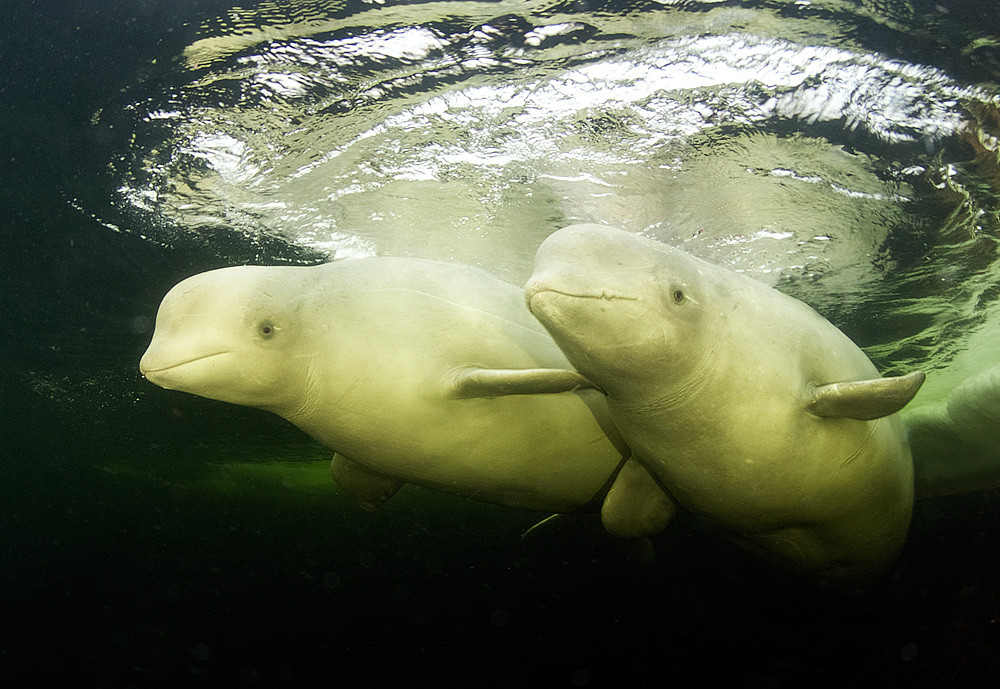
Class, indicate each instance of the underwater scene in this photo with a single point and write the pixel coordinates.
(514, 500)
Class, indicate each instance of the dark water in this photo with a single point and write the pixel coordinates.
(154, 539)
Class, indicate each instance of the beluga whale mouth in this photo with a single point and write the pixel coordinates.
(146, 368)
(555, 304)
(572, 265)
(533, 290)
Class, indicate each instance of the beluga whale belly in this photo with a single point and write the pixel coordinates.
(411, 370)
(750, 409)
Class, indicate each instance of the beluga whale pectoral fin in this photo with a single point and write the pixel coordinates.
(366, 487)
(467, 382)
(864, 399)
(636, 505)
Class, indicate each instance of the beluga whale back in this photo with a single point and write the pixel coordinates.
(750, 409)
(411, 370)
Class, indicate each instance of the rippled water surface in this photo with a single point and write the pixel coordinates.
(801, 143)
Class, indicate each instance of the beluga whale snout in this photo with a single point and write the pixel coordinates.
(746, 406)
(596, 302)
(224, 334)
(575, 278)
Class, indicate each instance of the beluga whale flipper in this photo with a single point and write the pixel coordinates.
(413, 371)
(750, 409)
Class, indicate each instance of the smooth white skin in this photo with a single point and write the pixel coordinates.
(956, 443)
(358, 354)
(707, 373)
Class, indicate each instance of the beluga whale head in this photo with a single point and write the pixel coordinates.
(611, 299)
(232, 335)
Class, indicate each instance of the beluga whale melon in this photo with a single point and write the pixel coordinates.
(411, 370)
(750, 409)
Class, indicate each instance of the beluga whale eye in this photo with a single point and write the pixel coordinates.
(266, 330)
(678, 295)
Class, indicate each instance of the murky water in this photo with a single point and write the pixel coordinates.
(845, 152)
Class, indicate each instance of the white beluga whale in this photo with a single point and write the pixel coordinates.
(956, 442)
(750, 409)
(411, 370)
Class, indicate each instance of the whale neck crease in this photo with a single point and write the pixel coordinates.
(662, 392)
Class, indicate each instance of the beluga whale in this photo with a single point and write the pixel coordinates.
(412, 371)
(750, 410)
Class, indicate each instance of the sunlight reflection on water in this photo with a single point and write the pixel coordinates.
(768, 143)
